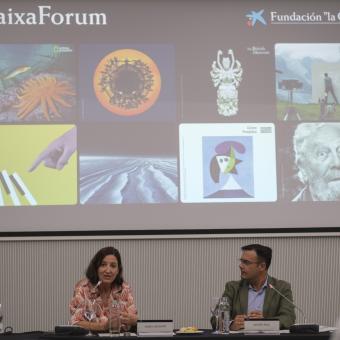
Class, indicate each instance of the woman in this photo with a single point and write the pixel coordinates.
(103, 285)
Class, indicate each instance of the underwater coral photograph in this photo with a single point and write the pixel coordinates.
(37, 83)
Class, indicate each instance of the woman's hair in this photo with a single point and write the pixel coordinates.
(92, 269)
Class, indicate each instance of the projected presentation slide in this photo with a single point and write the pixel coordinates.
(227, 163)
(37, 83)
(169, 115)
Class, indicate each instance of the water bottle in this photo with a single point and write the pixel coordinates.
(1, 317)
(223, 316)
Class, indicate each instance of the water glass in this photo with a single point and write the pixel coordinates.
(114, 318)
(215, 311)
(90, 312)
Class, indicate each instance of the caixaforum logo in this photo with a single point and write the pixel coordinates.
(254, 17)
(46, 15)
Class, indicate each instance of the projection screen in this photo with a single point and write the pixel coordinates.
(146, 116)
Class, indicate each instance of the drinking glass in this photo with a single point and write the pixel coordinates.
(114, 318)
(90, 312)
(214, 311)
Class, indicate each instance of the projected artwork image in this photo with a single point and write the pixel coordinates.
(121, 180)
(307, 81)
(37, 83)
(119, 169)
(314, 171)
(128, 84)
(226, 74)
(227, 162)
(40, 171)
(227, 167)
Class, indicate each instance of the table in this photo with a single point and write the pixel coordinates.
(204, 336)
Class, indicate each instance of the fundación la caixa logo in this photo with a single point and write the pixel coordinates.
(254, 17)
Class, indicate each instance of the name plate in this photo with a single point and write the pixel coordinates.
(262, 325)
(155, 326)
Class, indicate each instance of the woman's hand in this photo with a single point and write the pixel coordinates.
(103, 325)
(128, 319)
(98, 326)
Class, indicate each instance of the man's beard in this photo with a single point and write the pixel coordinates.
(325, 191)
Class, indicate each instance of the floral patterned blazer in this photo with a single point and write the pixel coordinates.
(84, 292)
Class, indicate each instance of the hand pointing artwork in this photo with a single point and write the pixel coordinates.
(57, 153)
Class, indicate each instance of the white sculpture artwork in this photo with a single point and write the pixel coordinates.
(226, 74)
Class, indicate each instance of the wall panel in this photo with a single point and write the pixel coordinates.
(173, 278)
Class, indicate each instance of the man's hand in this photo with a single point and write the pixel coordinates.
(238, 323)
(255, 314)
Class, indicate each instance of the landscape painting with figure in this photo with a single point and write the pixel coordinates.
(307, 81)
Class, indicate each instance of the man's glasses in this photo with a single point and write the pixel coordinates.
(247, 262)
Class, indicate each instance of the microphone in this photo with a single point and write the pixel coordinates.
(298, 328)
(291, 302)
(98, 284)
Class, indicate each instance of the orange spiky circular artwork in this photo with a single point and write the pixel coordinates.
(45, 91)
(127, 82)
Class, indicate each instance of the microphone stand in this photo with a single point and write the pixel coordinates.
(298, 328)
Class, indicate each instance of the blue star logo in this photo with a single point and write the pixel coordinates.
(254, 17)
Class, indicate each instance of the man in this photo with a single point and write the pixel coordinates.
(252, 296)
(329, 88)
(317, 157)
